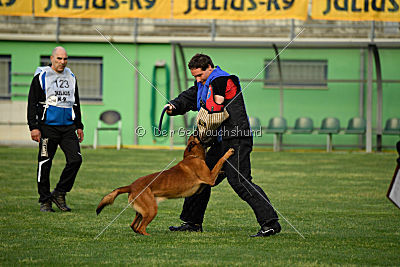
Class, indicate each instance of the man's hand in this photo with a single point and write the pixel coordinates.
(80, 134)
(35, 135)
(219, 99)
(170, 108)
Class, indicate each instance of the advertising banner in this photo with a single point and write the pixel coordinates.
(16, 7)
(103, 8)
(352, 10)
(240, 9)
(357, 10)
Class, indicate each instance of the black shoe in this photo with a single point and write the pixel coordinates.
(46, 207)
(59, 199)
(268, 230)
(187, 227)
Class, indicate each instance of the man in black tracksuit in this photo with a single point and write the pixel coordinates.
(215, 90)
(54, 119)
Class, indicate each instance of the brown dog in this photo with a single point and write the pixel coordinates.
(182, 180)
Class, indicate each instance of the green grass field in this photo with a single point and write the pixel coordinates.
(337, 201)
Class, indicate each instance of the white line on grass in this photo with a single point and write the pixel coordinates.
(134, 199)
(269, 63)
(266, 200)
(130, 63)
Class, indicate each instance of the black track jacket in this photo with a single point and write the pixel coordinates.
(237, 125)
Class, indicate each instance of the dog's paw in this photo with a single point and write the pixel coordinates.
(230, 152)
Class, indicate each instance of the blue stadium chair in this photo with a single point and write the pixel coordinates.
(278, 127)
(329, 126)
(254, 123)
(303, 125)
(356, 126)
(392, 126)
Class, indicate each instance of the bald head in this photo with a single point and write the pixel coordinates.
(59, 59)
(57, 50)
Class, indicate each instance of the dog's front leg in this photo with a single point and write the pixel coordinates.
(217, 168)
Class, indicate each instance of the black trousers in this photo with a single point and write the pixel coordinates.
(51, 138)
(238, 172)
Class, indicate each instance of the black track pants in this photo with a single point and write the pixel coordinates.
(51, 138)
(238, 172)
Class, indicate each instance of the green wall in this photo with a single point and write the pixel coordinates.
(340, 100)
(118, 81)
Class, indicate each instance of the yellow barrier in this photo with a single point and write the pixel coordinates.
(378, 10)
(357, 10)
(240, 9)
(16, 8)
(103, 8)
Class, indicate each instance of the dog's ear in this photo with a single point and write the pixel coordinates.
(191, 145)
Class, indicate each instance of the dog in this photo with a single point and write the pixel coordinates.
(181, 180)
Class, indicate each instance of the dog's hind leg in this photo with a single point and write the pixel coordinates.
(145, 221)
(136, 221)
(147, 205)
(138, 217)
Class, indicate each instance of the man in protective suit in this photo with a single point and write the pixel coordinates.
(216, 90)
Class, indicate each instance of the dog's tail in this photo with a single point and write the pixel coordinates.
(109, 199)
